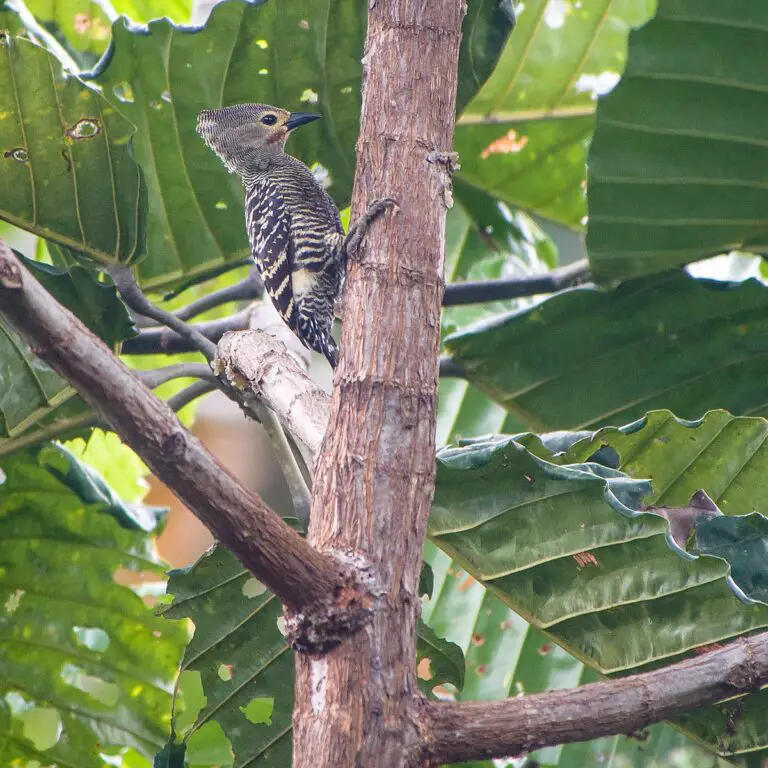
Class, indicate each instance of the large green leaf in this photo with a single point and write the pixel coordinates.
(677, 165)
(571, 547)
(667, 341)
(30, 392)
(245, 666)
(300, 55)
(524, 137)
(243, 660)
(78, 649)
(66, 170)
(507, 657)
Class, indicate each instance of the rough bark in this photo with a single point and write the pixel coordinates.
(477, 730)
(374, 478)
(298, 574)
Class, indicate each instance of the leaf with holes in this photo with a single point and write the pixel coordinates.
(626, 351)
(571, 547)
(66, 169)
(441, 661)
(677, 165)
(240, 654)
(245, 666)
(84, 28)
(305, 55)
(78, 648)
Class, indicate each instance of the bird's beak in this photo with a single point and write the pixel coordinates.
(295, 119)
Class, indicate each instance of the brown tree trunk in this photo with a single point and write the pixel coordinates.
(374, 478)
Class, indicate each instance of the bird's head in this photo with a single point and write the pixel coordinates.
(248, 137)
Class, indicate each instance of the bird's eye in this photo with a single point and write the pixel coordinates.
(269, 119)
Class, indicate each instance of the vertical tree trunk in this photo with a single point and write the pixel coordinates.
(374, 479)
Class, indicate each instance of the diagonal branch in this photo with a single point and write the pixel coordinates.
(154, 377)
(248, 289)
(299, 575)
(133, 296)
(473, 730)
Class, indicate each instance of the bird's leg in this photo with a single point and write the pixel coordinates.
(358, 229)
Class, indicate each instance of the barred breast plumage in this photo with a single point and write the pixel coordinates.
(293, 225)
(296, 238)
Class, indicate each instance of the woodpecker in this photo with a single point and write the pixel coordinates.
(293, 225)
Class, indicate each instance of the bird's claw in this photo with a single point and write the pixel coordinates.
(358, 229)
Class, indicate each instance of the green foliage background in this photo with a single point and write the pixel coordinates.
(548, 567)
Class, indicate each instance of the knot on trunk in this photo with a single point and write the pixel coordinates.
(323, 626)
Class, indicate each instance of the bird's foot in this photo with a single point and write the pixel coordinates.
(359, 227)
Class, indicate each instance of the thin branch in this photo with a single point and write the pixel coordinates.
(300, 495)
(303, 578)
(459, 731)
(457, 294)
(161, 340)
(157, 376)
(65, 429)
(249, 289)
(189, 394)
(165, 341)
(138, 302)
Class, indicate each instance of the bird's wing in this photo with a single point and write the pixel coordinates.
(269, 230)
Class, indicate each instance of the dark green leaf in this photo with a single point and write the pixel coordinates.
(743, 542)
(90, 487)
(446, 660)
(76, 644)
(29, 389)
(34, 399)
(171, 755)
(571, 547)
(676, 168)
(487, 26)
(724, 456)
(240, 655)
(84, 29)
(626, 351)
(97, 304)
(66, 170)
(426, 581)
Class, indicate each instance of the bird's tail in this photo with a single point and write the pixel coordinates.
(331, 352)
(314, 337)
